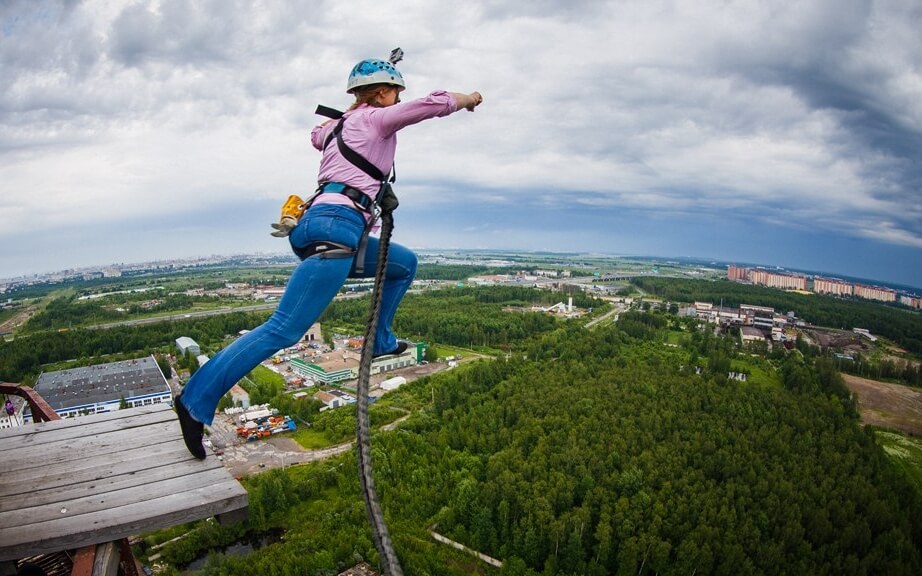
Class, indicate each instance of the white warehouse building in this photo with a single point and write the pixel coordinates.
(187, 345)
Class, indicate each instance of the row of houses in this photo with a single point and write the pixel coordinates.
(820, 285)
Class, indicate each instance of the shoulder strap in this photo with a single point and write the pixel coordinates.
(352, 156)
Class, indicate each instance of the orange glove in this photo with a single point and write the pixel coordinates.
(292, 211)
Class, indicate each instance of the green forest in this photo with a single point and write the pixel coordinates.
(25, 357)
(470, 317)
(621, 449)
(599, 451)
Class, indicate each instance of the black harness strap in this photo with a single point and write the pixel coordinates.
(367, 167)
(354, 157)
(325, 249)
(361, 200)
(328, 112)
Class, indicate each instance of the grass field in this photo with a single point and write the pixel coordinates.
(905, 453)
(310, 440)
(758, 372)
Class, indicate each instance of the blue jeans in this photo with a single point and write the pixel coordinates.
(312, 286)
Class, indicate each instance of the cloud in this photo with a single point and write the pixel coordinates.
(798, 116)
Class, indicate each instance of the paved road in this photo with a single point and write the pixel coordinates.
(618, 309)
(187, 316)
(17, 320)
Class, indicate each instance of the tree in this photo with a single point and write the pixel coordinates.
(163, 362)
(225, 402)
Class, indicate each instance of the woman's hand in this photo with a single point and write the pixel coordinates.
(468, 101)
(476, 100)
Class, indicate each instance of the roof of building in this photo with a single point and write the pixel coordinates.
(186, 342)
(238, 391)
(103, 383)
(324, 397)
(329, 396)
(331, 362)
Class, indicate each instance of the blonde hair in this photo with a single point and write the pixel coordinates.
(368, 95)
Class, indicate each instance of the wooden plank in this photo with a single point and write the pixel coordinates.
(78, 486)
(107, 559)
(111, 500)
(136, 518)
(78, 482)
(163, 410)
(105, 449)
(69, 449)
(17, 482)
(48, 432)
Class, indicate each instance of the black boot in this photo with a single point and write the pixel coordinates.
(400, 349)
(192, 429)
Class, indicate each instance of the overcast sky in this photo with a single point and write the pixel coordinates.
(768, 132)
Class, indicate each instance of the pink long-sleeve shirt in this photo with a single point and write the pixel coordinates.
(372, 132)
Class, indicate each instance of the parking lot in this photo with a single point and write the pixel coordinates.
(243, 458)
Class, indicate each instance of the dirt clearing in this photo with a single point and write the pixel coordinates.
(892, 406)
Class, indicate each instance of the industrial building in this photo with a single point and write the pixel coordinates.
(747, 315)
(339, 366)
(102, 388)
(187, 345)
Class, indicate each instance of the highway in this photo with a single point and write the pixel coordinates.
(186, 316)
(206, 313)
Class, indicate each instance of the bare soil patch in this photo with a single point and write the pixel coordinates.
(17, 320)
(892, 406)
(844, 340)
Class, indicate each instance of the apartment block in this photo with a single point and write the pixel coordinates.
(834, 287)
(911, 301)
(773, 280)
(875, 293)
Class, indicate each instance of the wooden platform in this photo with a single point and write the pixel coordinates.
(70, 483)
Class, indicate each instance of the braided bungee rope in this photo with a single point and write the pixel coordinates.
(379, 530)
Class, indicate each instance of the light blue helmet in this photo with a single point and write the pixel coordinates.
(374, 71)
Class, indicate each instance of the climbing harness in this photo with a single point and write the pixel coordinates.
(325, 249)
(362, 202)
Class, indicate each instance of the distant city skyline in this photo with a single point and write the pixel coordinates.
(765, 132)
(716, 264)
